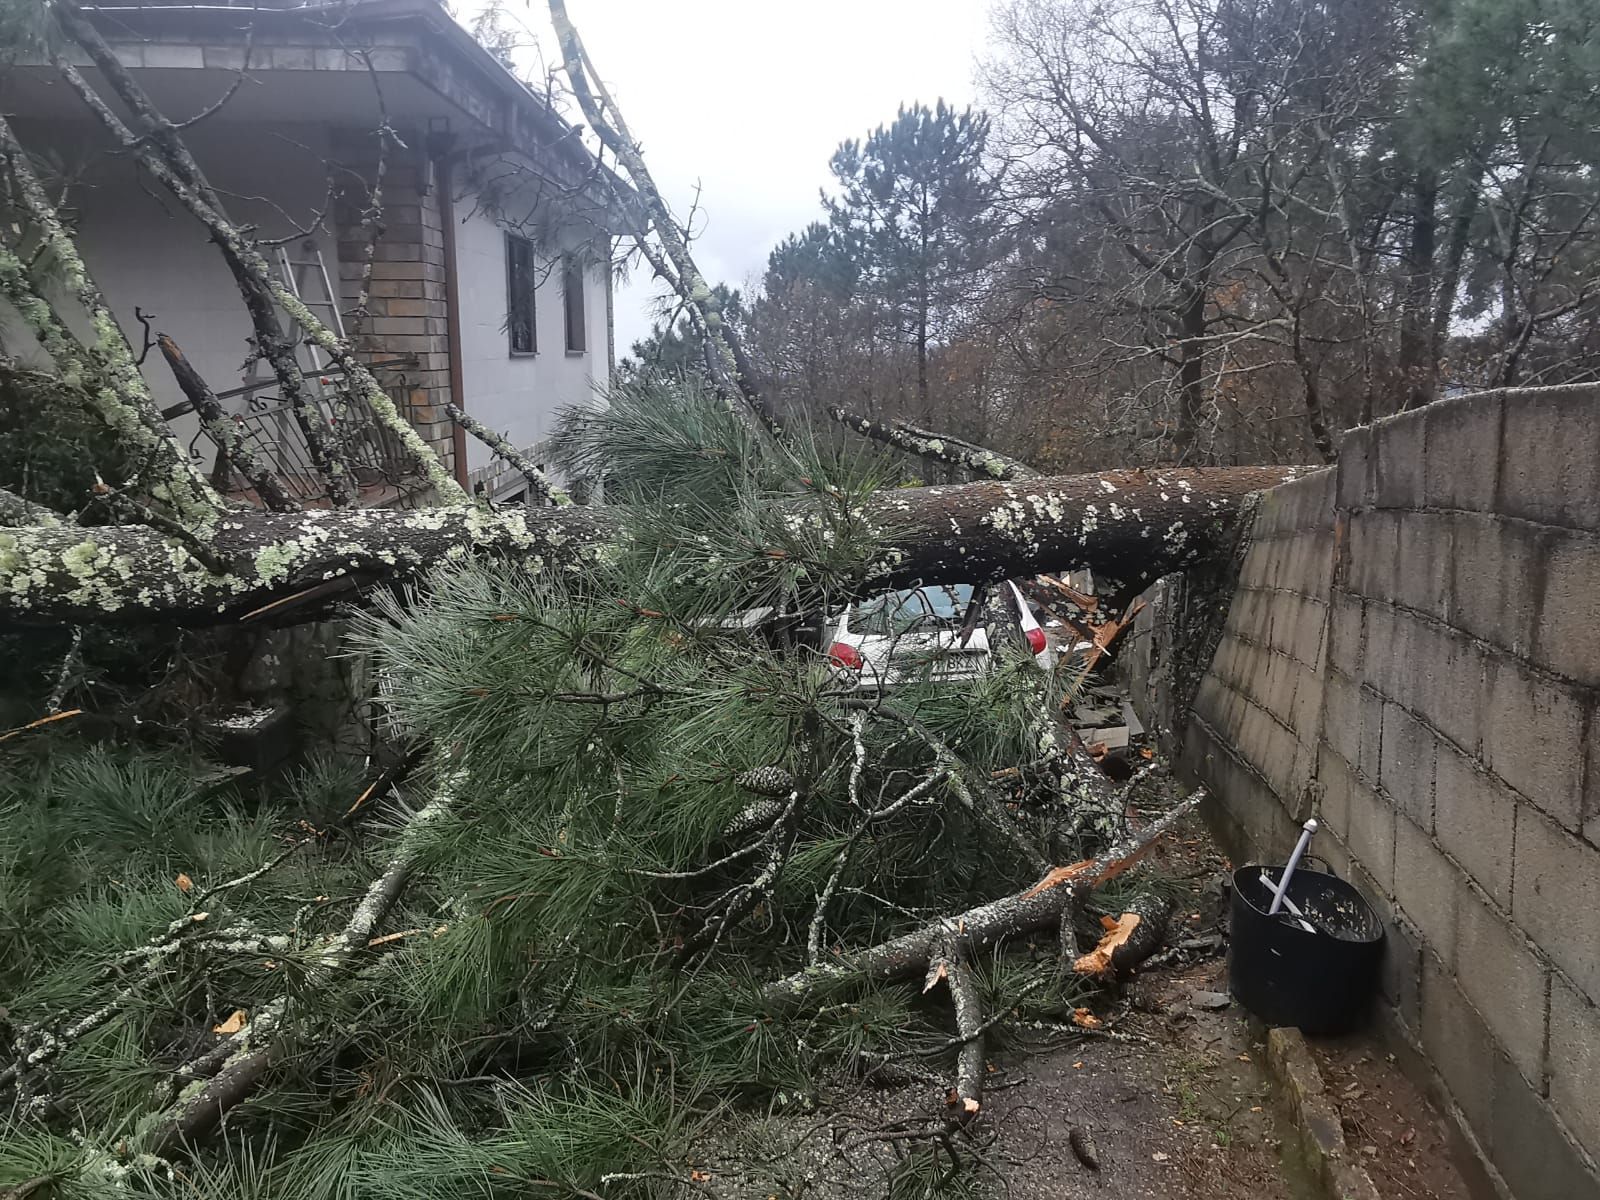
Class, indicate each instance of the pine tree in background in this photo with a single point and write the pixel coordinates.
(915, 216)
(564, 950)
(671, 349)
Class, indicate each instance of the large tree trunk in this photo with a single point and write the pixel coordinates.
(1418, 370)
(1130, 527)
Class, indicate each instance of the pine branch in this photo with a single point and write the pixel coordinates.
(729, 368)
(967, 1096)
(162, 152)
(224, 430)
(541, 483)
(939, 447)
(124, 402)
(978, 800)
(253, 1048)
(1048, 902)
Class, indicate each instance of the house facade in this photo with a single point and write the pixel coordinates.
(488, 256)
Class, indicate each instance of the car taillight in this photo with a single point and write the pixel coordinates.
(843, 654)
(1036, 639)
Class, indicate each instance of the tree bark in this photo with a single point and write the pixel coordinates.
(1130, 527)
(224, 430)
(541, 483)
(1046, 903)
(985, 464)
(1418, 370)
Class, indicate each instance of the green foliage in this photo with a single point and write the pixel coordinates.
(50, 442)
(576, 988)
(915, 215)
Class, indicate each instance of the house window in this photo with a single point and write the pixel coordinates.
(521, 276)
(572, 297)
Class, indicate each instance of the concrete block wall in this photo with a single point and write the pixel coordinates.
(1413, 655)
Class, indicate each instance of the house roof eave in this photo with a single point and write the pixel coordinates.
(517, 119)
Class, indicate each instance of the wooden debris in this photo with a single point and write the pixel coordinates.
(1097, 962)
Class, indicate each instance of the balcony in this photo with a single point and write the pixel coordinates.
(384, 471)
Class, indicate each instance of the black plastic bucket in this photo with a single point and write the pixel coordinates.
(1320, 981)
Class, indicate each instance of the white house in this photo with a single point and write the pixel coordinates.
(490, 280)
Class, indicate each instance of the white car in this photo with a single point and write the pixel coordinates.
(916, 634)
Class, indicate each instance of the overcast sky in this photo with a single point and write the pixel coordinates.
(749, 98)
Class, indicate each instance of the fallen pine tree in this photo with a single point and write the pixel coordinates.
(644, 844)
(1131, 526)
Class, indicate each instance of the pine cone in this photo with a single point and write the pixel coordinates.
(754, 816)
(766, 781)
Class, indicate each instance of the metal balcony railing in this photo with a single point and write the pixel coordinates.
(371, 453)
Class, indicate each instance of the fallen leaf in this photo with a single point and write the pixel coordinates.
(233, 1024)
(1118, 930)
(185, 884)
(1158, 1157)
(1085, 1019)
(1147, 752)
(1244, 1058)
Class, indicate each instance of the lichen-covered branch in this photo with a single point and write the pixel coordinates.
(19, 510)
(162, 153)
(982, 463)
(1045, 904)
(199, 1107)
(729, 367)
(537, 479)
(115, 389)
(1131, 527)
(224, 430)
(967, 1099)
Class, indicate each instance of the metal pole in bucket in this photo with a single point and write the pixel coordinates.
(1310, 827)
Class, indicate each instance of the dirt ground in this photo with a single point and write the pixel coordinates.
(1184, 1111)
(1407, 1147)
(1170, 1099)
(1181, 1108)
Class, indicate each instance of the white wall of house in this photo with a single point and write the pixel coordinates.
(514, 394)
(146, 252)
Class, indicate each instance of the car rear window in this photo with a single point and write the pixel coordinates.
(897, 613)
